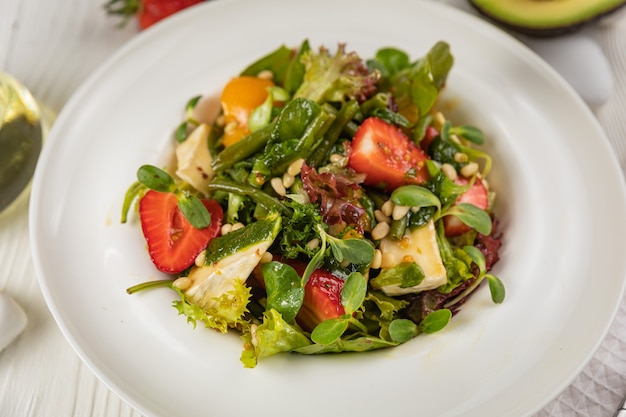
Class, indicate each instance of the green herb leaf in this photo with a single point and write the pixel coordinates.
(194, 211)
(284, 290)
(329, 330)
(472, 216)
(496, 287)
(155, 179)
(353, 292)
(404, 275)
(392, 60)
(435, 321)
(354, 250)
(317, 259)
(477, 256)
(131, 194)
(402, 330)
(414, 196)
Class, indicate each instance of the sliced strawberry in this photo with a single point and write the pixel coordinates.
(322, 299)
(476, 195)
(173, 243)
(430, 134)
(386, 155)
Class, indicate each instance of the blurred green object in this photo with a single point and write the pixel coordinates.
(545, 18)
(21, 138)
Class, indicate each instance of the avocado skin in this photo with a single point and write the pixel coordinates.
(546, 32)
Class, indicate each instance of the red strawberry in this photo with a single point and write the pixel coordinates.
(476, 195)
(173, 243)
(322, 299)
(386, 155)
(152, 11)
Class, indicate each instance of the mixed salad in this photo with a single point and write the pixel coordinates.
(330, 207)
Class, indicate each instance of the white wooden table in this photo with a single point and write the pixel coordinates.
(53, 46)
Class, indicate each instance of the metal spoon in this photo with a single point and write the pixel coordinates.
(22, 131)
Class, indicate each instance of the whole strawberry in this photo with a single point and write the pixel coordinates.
(147, 12)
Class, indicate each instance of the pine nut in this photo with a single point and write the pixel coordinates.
(399, 212)
(236, 226)
(469, 169)
(378, 256)
(221, 120)
(338, 160)
(277, 185)
(387, 208)
(380, 231)
(266, 257)
(381, 217)
(460, 157)
(288, 180)
(226, 228)
(265, 75)
(182, 283)
(313, 243)
(199, 261)
(295, 167)
(456, 139)
(449, 171)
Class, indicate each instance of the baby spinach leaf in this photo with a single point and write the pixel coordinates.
(391, 60)
(284, 289)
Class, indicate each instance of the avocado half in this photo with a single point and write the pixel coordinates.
(545, 17)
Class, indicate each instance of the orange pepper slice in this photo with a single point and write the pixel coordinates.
(240, 97)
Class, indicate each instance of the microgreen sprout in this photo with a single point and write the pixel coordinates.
(496, 287)
(472, 216)
(156, 179)
(181, 131)
(415, 196)
(352, 296)
(352, 250)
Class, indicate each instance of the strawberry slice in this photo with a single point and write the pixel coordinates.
(386, 155)
(322, 299)
(173, 243)
(476, 195)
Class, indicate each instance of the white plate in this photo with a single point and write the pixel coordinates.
(561, 200)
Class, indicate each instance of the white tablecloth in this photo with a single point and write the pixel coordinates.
(54, 45)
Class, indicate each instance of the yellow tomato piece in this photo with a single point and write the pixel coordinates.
(240, 97)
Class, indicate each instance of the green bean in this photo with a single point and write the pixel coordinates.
(239, 151)
(259, 196)
(398, 227)
(343, 117)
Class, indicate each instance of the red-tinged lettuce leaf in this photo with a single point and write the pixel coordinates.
(338, 197)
